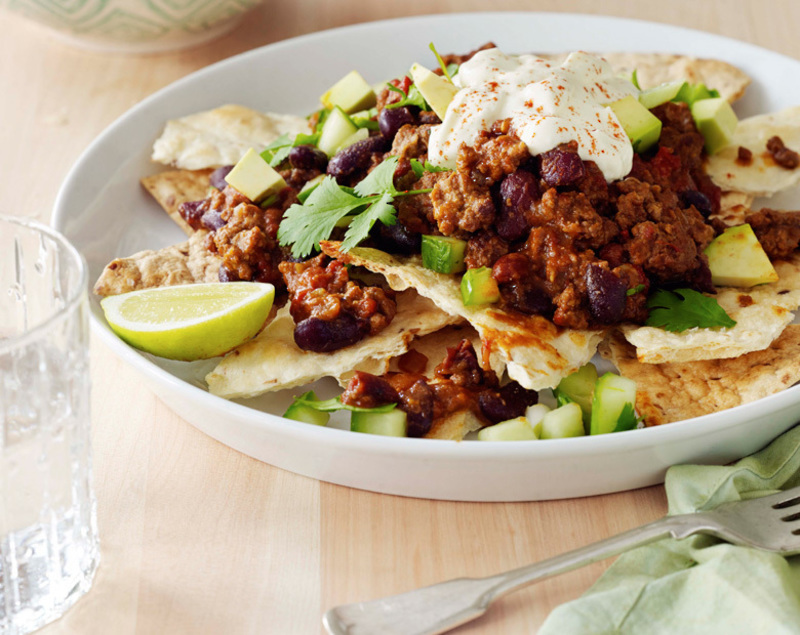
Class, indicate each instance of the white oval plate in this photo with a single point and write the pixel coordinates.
(106, 214)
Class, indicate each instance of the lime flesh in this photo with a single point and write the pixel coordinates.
(192, 321)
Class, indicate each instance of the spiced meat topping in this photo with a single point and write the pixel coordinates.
(782, 155)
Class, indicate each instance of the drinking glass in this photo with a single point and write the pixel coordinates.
(48, 523)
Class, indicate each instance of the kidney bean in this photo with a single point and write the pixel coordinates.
(561, 166)
(507, 402)
(390, 120)
(217, 177)
(518, 191)
(355, 157)
(212, 219)
(365, 390)
(323, 336)
(417, 402)
(307, 157)
(606, 294)
(398, 239)
(700, 201)
(192, 213)
(226, 275)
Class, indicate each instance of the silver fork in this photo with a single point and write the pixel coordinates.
(769, 523)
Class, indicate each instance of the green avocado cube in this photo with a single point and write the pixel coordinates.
(254, 177)
(438, 91)
(737, 259)
(716, 121)
(443, 253)
(658, 95)
(351, 94)
(478, 287)
(642, 127)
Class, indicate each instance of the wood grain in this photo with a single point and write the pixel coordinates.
(197, 538)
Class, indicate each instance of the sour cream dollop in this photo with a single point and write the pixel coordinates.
(547, 104)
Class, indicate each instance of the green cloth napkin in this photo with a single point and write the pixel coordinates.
(700, 584)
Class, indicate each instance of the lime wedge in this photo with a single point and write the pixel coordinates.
(191, 321)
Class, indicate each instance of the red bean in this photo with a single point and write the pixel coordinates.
(323, 336)
(217, 177)
(355, 157)
(307, 157)
(390, 120)
(606, 294)
(507, 402)
(561, 166)
(518, 191)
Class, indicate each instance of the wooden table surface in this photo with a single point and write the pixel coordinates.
(197, 538)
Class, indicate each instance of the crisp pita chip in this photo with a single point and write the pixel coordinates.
(170, 189)
(676, 391)
(762, 176)
(455, 427)
(653, 69)
(273, 361)
(734, 206)
(179, 264)
(761, 315)
(535, 352)
(221, 136)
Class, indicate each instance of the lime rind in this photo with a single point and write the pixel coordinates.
(223, 317)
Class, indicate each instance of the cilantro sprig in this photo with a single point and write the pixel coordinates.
(627, 419)
(683, 309)
(309, 399)
(278, 151)
(420, 168)
(412, 98)
(331, 205)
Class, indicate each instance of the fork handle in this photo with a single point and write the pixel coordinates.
(679, 526)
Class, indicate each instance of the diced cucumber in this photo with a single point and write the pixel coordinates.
(642, 127)
(391, 424)
(658, 95)
(691, 93)
(565, 421)
(358, 135)
(613, 404)
(335, 130)
(443, 253)
(301, 412)
(579, 388)
(309, 187)
(512, 430)
(478, 287)
(534, 414)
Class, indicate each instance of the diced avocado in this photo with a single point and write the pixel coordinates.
(716, 121)
(358, 135)
(613, 404)
(579, 388)
(512, 430)
(254, 177)
(737, 259)
(390, 424)
(478, 287)
(642, 127)
(443, 254)
(335, 130)
(690, 93)
(565, 421)
(309, 187)
(351, 93)
(658, 95)
(301, 412)
(436, 90)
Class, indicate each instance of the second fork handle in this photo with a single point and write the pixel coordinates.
(670, 526)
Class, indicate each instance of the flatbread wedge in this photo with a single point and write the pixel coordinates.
(185, 263)
(761, 314)
(273, 361)
(172, 188)
(534, 352)
(761, 177)
(681, 390)
(221, 136)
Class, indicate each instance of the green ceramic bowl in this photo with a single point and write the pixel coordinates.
(135, 26)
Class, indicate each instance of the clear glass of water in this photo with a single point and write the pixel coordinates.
(48, 522)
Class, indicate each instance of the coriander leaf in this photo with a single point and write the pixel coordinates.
(452, 69)
(412, 98)
(683, 309)
(380, 210)
(331, 405)
(279, 156)
(303, 139)
(303, 226)
(419, 167)
(280, 142)
(380, 180)
(637, 289)
(627, 419)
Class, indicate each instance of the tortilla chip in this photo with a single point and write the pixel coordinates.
(273, 361)
(221, 136)
(653, 69)
(761, 314)
(455, 427)
(734, 206)
(179, 264)
(534, 352)
(676, 391)
(762, 177)
(170, 189)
